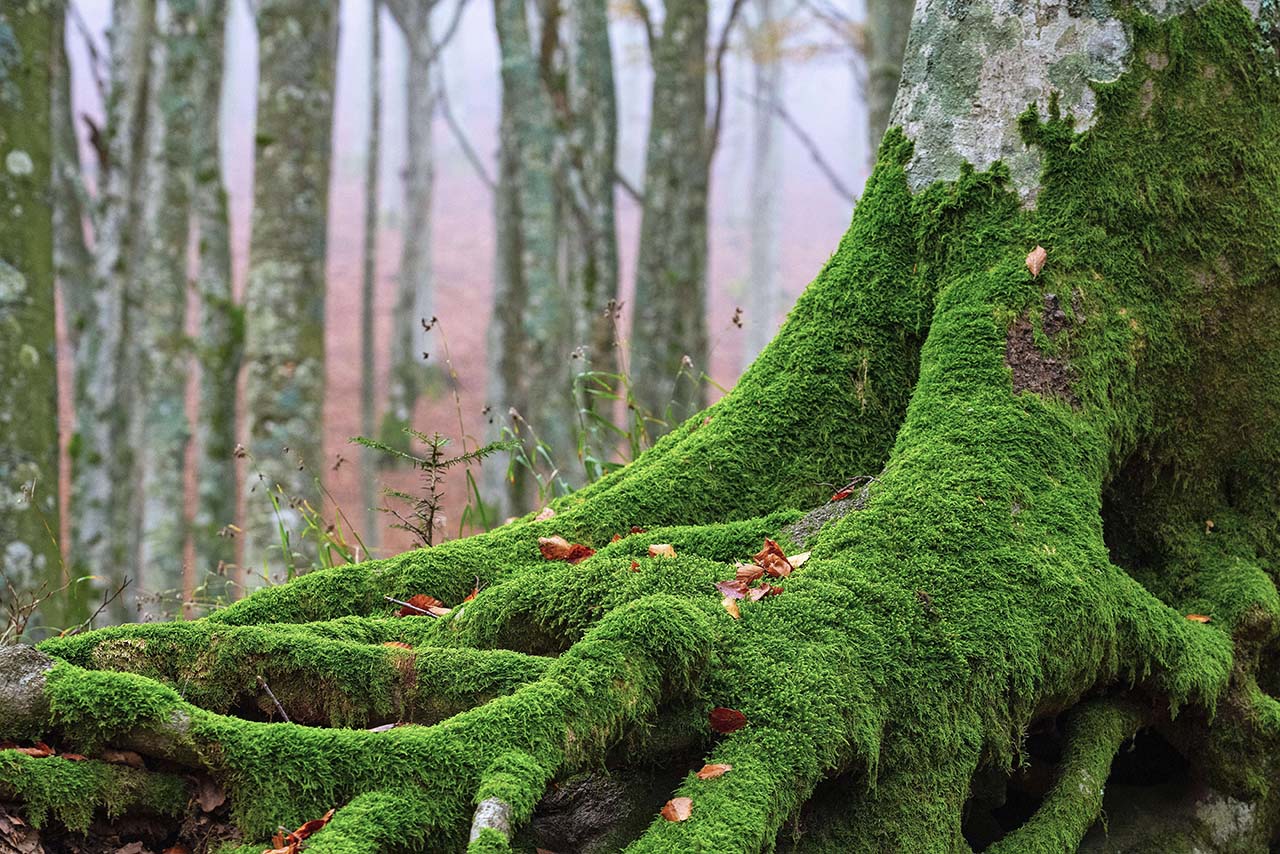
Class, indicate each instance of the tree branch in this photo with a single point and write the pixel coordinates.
(442, 100)
(722, 47)
(815, 153)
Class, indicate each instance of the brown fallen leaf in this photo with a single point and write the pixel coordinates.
(732, 589)
(558, 548)
(397, 645)
(636, 529)
(420, 604)
(615, 538)
(40, 751)
(1198, 618)
(797, 561)
(758, 593)
(731, 605)
(710, 772)
(662, 550)
(209, 795)
(772, 559)
(725, 721)
(313, 826)
(1036, 259)
(73, 757)
(635, 566)
(677, 809)
(749, 572)
(122, 757)
(544, 514)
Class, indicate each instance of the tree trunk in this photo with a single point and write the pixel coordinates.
(102, 460)
(163, 312)
(669, 330)
(221, 338)
(284, 300)
(888, 23)
(414, 290)
(763, 299)
(29, 469)
(368, 404)
(1062, 531)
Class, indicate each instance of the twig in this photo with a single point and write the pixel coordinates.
(262, 683)
(722, 47)
(442, 100)
(628, 187)
(810, 145)
(106, 600)
(407, 605)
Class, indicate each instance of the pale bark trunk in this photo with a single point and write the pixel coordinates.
(763, 300)
(163, 311)
(28, 379)
(888, 22)
(102, 461)
(414, 284)
(669, 332)
(284, 312)
(368, 401)
(221, 321)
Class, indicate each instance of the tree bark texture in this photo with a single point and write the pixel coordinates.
(369, 279)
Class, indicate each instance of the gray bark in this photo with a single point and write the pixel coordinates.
(368, 419)
(888, 22)
(284, 312)
(762, 301)
(163, 315)
(28, 377)
(414, 286)
(103, 474)
(669, 331)
(221, 322)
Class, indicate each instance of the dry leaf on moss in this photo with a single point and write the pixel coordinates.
(420, 604)
(732, 589)
(1198, 618)
(710, 772)
(748, 572)
(731, 605)
(544, 514)
(662, 550)
(772, 559)
(1036, 259)
(677, 809)
(725, 721)
(558, 548)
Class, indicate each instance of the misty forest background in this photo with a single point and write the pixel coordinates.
(281, 224)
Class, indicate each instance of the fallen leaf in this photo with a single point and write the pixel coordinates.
(383, 728)
(841, 495)
(732, 589)
(615, 538)
(1036, 259)
(544, 514)
(662, 550)
(636, 529)
(122, 757)
(710, 772)
(397, 645)
(558, 548)
(635, 566)
(73, 757)
(773, 560)
(209, 795)
(420, 604)
(725, 721)
(313, 826)
(731, 605)
(797, 561)
(40, 751)
(1197, 618)
(758, 593)
(749, 572)
(677, 809)
(131, 848)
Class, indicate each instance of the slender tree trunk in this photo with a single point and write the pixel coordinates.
(539, 348)
(588, 172)
(763, 300)
(29, 469)
(103, 484)
(669, 331)
(285, 311)
(221, 320)
(414, 303)
(163, 311)
(368, 399)
(888, 22)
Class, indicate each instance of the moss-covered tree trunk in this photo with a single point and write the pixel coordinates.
(285, 294)
(29, 468)
(1047, 350)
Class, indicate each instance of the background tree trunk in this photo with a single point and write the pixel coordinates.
(369, 278)
(163, 311)
(29, 53)
(888, 22)
(284, 300)
(669, 331)
(221, 338)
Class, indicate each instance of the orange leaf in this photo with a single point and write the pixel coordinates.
(732, 589)
(662, 550)
(1197, 618)
(677, 809)
(1036, 259)
(558, 548)
(749, 572)
(635, 566)
(710, 772)
(636, 529)
(615, 538)
(725, 721)
(731, 605)
(397, 645)
(40, 751)
(420, 604)
(758, 593)
(773, 560)
(841, 495)
(74, 757)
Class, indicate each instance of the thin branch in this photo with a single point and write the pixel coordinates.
(442, 100)
(810, 145)
(722, 47)
(642, 8)
(262, 683)
(96, 62)
(106, 601)
(628, 187)
(408, 605)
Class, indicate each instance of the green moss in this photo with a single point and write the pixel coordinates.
(71, 791)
